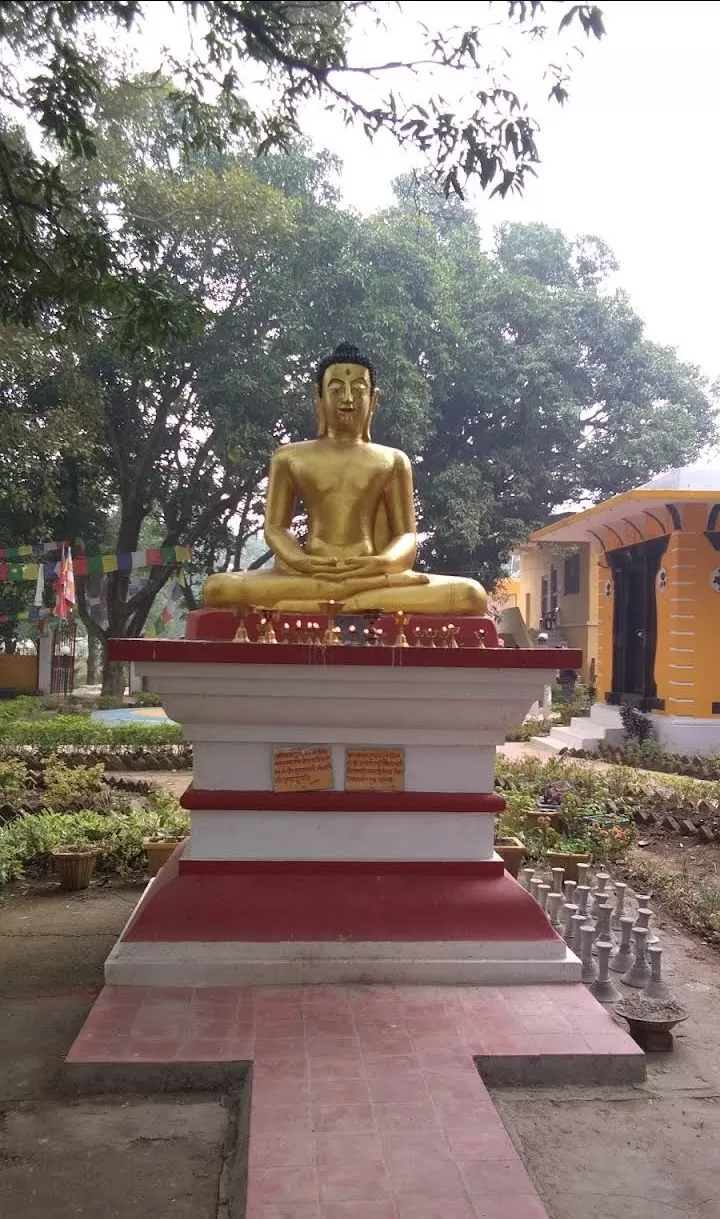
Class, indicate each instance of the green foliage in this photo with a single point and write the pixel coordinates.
(637, 725)
(595, 811)
(47, 735)
(145, 698)
(649, 755)
(552, 394)
(13, 782)
(262, 59)
(117, 836)
(501, 372)
(694, 900)
(68, 787)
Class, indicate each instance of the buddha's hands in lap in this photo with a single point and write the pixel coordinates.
(354, 568)
(369, 567)
(321, 567)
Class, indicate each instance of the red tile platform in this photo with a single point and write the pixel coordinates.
(366, 1101)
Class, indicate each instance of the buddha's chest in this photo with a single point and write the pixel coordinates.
(350, 477)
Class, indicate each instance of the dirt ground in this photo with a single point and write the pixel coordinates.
(109, 1158)
(649, 1151)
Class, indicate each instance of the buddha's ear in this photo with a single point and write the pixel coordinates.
(319, 411)
(373, 403)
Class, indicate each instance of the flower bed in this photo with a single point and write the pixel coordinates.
(118, 835)
(648, 755)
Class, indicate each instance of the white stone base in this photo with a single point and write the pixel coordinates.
(685, 734)
(425, 837)
(490, 963)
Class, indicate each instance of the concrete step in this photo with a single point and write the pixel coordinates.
(581, 733)
(565, 738)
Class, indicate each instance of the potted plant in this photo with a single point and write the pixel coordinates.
(567, 854)
(555, 850)
(75, 864)
(512, 852)
(509, 844)
(159, 847)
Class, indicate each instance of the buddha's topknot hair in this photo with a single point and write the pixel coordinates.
(344, 353)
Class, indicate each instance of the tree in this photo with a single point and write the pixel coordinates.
(51, 485)
(503, 373)
(61, 256)
(553, 395)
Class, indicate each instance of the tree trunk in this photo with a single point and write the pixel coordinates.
(114, 678)
(93, 660)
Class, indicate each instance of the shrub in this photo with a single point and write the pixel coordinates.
(47, 735)
(118, 836)
(651, 756)
(13, 783)
(637, 726)
(527, 730)
(113, 757)
(68, 787)
(145, 698)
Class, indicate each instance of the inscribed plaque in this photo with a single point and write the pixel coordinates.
(302, 770)
(375, 770)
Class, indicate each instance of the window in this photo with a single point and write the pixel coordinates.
(571, 575)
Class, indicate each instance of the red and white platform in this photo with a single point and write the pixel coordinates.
(335, 885)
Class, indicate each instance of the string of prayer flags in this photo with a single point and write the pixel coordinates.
(94, 564)
(160, 625)
(34, 548)
(33, 615)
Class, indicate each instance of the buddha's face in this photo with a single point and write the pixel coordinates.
(347, 400)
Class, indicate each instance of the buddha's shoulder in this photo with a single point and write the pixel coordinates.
(395, 458)
(299, 448)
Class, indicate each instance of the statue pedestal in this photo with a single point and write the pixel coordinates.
(346, 882)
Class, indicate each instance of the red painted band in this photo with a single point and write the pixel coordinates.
(342, 801)
(418, 906)
(442, 869)
(222, 624)
(197, 651)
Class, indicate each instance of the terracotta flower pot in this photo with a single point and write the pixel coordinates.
(74, 868)
(568, 860)
(512, 853)
(158, 854)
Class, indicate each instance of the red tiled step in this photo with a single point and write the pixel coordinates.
(366, 1103)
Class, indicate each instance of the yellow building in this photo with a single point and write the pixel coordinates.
(557, 592)
(656, 554)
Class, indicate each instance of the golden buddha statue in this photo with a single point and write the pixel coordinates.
(358, 497)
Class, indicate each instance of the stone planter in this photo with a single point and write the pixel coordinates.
(568, 860)
(158, 854)
(512, 853)
(74, 868)
(551, 815)
(652, 1030)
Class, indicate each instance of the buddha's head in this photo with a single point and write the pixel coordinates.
(345, 394)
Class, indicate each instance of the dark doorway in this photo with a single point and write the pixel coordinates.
(635, 570)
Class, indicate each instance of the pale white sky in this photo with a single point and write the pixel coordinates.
(631, 158)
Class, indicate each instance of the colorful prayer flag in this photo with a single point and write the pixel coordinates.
(40, 586)
(65, 586)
